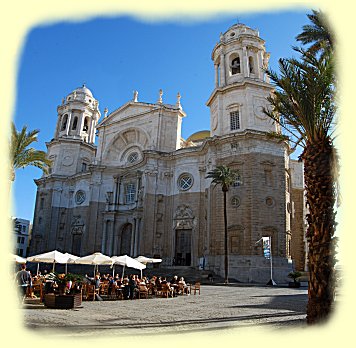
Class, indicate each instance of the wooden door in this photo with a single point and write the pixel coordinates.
(183, 247)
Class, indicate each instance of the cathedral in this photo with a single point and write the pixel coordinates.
(142, 189)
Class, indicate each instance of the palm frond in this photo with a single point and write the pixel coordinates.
(22, 155)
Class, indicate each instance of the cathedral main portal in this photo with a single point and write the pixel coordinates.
(183, 247)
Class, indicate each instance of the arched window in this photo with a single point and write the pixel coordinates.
(64, 122)
(132, 157)
(235, 66)
(251, 65)
(75, 122)
(85, 125)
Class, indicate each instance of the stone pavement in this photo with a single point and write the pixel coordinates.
(218, 307)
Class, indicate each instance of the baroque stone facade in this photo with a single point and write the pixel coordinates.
(143, 189)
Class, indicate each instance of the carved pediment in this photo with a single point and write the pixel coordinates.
(128, 110)
(183, 212)
(184, 218)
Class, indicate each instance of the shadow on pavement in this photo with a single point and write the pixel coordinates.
(296, 303)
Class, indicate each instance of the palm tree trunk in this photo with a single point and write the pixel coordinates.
(225, 241)
(320, 196)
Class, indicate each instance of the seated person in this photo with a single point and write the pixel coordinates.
(76, 287)
(183, 284)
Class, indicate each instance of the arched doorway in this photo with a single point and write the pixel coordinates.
(126, 239)
(183, 252)
(76, 244)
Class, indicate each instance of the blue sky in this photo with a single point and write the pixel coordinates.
(114, 56)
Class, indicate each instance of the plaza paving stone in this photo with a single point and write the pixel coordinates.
(218, 307)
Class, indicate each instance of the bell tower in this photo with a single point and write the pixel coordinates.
(72, 149)
(241, 85)
(78, 116)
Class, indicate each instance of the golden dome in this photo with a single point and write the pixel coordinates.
(199, 136)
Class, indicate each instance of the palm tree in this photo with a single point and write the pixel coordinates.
(303, 104)
(224, 176)
(317, 33)
(22, 155)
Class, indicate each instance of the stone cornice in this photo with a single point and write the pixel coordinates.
(236, 85)
(92, 147)
(239, 40)
(152, 108)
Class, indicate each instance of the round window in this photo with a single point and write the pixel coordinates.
(185, 182)
(79, 197)
(132, 157)
(235, 201)
(269, 201)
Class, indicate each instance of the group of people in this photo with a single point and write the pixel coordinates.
(127, 286)
(26, 283)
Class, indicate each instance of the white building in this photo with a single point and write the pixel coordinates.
(21, 236)
(143, 188)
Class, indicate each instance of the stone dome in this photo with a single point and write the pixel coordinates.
(83, 90)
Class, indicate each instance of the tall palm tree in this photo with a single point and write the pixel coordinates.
(303, 104)
(22, 155)
(318, 34)
(224, 176)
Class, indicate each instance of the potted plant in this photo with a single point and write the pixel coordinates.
(294, 275)
(63, 299)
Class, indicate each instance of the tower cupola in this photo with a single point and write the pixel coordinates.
(78, 116)
(241, 83)
(239, 54)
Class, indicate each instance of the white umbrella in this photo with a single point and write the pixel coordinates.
(70, 259)
(18, 259)
(145, 260)
(49, 257)
(94, 259)
(128, 261)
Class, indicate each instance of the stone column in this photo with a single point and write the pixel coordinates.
(137, 186)
(90, 131)
(120, 193)
(259, 63)
(216, 67)
(68, 122)
(110, 237)
(222, 70)
(103, 241)
(81, 123)
(58, 127)
(138, 222)
(133, 238)
(116, 193)
(107, 240)
(244, 63)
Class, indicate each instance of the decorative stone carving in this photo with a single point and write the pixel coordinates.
(77, 225)
(184, 218)
(135, 96)
(160, 97)
(184, 212)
